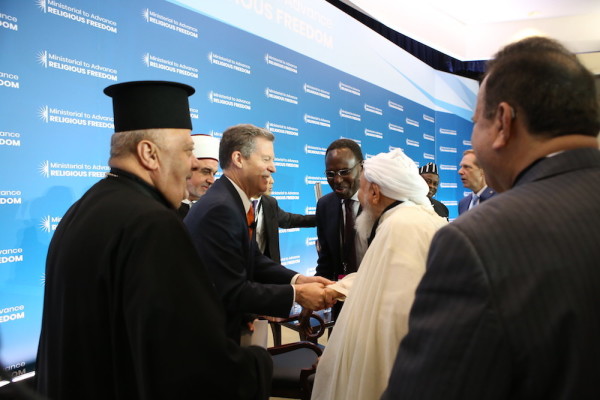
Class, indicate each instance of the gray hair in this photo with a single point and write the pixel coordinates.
(125, 143)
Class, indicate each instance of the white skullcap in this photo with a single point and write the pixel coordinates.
(206, 146)
(397, 176)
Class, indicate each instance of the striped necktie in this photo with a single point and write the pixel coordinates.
(250, 221)
(474, 201)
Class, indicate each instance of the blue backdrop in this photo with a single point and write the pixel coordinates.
(302, 69)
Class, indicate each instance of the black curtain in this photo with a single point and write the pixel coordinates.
(432, 57)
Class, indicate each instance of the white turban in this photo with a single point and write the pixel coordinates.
(397, 176)
(206, 146)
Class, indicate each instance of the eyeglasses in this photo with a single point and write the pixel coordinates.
(342, 172)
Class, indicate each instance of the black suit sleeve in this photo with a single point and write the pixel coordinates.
(456, 347)
(168, 294)
(289, 220)
(327, 232)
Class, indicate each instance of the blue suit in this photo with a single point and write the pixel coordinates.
(246, 280)
(463, 204)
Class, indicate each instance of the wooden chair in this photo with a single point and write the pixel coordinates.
(310, 329)
(295, 363)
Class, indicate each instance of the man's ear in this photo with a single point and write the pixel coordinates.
(504, 124)
(374, 192)
(237, 159)
(147, 153)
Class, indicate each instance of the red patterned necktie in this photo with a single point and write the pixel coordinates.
(250, 221)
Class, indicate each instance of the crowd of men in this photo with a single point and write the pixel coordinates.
(143, 302)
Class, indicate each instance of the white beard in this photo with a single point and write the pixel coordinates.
(364, 224)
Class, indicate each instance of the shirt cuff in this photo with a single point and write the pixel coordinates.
(294, 279)
(293, 282)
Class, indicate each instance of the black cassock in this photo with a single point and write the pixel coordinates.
(129, 310)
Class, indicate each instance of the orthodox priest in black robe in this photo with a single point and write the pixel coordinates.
(129, 310)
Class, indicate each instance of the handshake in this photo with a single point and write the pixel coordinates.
(312, 292)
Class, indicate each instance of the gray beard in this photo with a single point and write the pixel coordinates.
(364, 224)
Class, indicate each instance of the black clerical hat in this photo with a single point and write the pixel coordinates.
(150, 105)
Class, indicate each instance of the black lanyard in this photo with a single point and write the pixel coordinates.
(376, 224)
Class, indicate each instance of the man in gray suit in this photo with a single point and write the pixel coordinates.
(508, 306)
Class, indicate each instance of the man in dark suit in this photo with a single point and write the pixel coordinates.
(429, 172)
(340, 251)
(129, 309)
(508, 306)
(472, 177)
(269, 218)
(222, 226)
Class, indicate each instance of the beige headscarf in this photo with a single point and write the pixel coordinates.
(397, 176)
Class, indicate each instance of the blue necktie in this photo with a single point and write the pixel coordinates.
(474, 201)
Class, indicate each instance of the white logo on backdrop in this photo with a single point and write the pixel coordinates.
(373, 109)
(281, 96)
(448, 132)
(310, 241)
(311, 119)
(169, 23)
(46, 225)
(51, 60)
(316, 91)
(221, 61)
(279, 128)
(60, 116)
(152, 61)
(77, 15)
(412, 122)
(372, 133)
(445, 167)
(42, 58)
(349, 115)
(396, 128)
(9, 80)
(230, 101)
(349, 89)
(397, 106)
(281, 64)
(42, 5)
(311, 180)
(314, 150)
(8, 22)
(45, 169)
(447, 149)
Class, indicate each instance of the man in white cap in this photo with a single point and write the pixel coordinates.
(204, 168)
(399, 222)
(129, 309)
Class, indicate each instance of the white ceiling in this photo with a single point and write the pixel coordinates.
(476, 29)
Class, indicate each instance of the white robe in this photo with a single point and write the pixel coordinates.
(360, 354)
